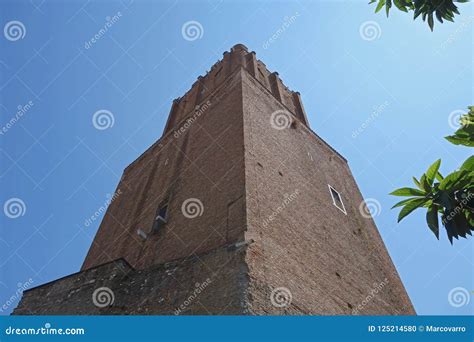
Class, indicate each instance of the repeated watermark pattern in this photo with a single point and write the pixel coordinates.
(454, 118)
(281, 119)
(278, 210)
(103, 297)
(109, 22)
(458, 297)
(459, 208)
(14, 30)
(102, 209)
(370, 207)
(370, 119)
(287, 22)
(198, 289)
(21, 110)
(466, 24)
(192, 208)
(17, 295)
(14, 208)
(281, 297)
(189, 121)
(192, 30)
(377, 288)
(103, 119)
(370, 30)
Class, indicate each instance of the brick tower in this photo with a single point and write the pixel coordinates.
(239, 208)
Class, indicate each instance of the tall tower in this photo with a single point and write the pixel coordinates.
(239, 208)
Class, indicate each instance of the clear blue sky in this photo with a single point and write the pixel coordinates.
(62, 167)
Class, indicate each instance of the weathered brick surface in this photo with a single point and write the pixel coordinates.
(211, 283)
(262, 188)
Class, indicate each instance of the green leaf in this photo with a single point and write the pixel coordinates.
(451, 179)
(432, 171)
(417, 183)
(431, 21)
(407, 192)
(388, 5)
(432, 219)
(439, 177)
(407, 209)
(403, 202)
(468, 165)
(379, 6)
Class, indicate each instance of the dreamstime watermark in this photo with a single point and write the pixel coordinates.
(287, 22)
(465, 24)
(192, 30)
(458, 297)
(198, 111)
(456, 118)
(109, 22)
(103, 119)
(21, 110)
(459, 208)
(370, 30)
(198, 289)
(281, 297)
(14, 208)
(372, 117)
(17, 295)
(370, 208)
(14, 30)
(373, 292)
(102, 209)
(277, 211)
(46, 330)
(103, 297)
(192, 208)
(281, 119)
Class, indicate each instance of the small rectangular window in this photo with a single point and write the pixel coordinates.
(161, 217)
(337, 199)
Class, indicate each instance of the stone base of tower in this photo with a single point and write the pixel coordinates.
(212, 283)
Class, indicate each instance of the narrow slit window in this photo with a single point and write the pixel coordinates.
(161, 217)
(337, 199)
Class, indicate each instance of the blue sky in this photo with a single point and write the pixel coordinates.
(379, 90)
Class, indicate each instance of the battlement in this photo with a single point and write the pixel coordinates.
(238, 56)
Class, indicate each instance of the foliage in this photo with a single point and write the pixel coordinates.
(452, 196)
(442, 9)
(465, 134)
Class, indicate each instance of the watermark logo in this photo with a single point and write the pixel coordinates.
(372, 294)
(370, 208)
(198, 111)
(102, 297)
(281, 119)
(458, 297)
(278, 210)
(103, 119)
(101, 210)
(109, 22)
(455, 119)
(370, 119)
(14, 30)
(281, 297)
(14, 208)
(198, 289)
(192, 30)
(17, 295)
(192, 208)
(21, 110)
(370, 30)
(287, 22)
